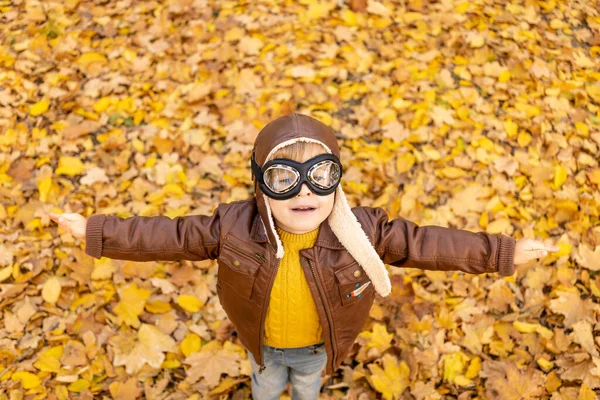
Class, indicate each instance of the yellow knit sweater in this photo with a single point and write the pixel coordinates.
(292, 319)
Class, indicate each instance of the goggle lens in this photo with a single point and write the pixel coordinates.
(282, 178)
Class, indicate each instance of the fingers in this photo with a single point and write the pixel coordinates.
(541, 248)
(542, 253)
(60, 218)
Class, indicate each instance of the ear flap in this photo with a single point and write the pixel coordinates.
(349, 232)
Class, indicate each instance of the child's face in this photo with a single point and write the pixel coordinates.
(298, 222)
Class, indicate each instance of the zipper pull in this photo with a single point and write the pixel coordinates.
(261, 369)
(261, 258)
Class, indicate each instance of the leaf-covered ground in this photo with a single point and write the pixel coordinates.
(476, 115)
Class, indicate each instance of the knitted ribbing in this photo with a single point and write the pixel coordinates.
(292, 319)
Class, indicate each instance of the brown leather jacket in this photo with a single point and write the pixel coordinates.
(241, 237)
(234, 236)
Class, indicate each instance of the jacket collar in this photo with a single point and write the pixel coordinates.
(325, 238)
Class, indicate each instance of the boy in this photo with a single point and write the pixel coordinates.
(298, 268)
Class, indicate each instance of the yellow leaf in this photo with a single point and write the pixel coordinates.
(189, 303)
(405, 162)
(511, 128)
(454, 364)
(349, 18)
(392, 380)
(317, 9)
(544, 332)
(378, 337)
(560, 176)
(51, 290)
(5, 273)
(452, 172)
(225, 384)
(131, 304)
(61, 392)
(477, 41)
(474, 368)
(103, 269)
(71, 166)
(586, 393)
(594, 92)
(170, 364)
(158, 307)
(545, 364)
(524, 327)
(594, 176)
(89, 58)
(564, 249)
(486, 143)
(151, 337)
(504, 76)
(484, 220)
(582, 128)
(190, 344)
(28, 380)
(102, 104)
(524, 139)
(44, 185)
(173, 190)
(47, 364)
(78, 385)
(498, 226)
(461, 380)
(462, 8)
(39, 108)
(529, 110)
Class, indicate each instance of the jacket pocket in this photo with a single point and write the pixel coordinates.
(353, 284)
(238, 267)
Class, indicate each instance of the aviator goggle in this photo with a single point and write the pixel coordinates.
(282, 179)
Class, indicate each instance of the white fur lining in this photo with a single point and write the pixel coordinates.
(347, 229)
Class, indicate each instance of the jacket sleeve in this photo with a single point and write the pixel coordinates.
(401, 243)
(193, 237)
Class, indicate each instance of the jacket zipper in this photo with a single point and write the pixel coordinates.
(262, 318)
(326, 314)
(260, 343)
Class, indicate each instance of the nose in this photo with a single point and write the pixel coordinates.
(304, 190)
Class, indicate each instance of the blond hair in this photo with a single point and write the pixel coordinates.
(299, 151)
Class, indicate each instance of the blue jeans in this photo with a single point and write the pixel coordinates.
(302, 366)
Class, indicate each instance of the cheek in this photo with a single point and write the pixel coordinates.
(277, 206)
(328, 203)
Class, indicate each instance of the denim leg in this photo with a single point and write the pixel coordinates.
(306, 366)
(271, 383)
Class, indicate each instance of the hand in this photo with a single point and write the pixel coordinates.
(528, 249)
(73, 223)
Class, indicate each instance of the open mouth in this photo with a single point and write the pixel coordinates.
(303, 210)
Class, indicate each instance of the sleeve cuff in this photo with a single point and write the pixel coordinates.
(506, 255)
(93, 235)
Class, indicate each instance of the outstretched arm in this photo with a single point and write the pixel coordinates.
(194, 237)
(402, 243)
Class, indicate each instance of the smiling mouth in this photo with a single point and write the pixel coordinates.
(304, 210)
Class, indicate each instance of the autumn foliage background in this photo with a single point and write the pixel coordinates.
(475, 115)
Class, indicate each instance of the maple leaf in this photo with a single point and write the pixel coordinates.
(378, 337)
(209, 363)
(392, 379)
(573, 308)
(131, 304)
(149, 349)
(506, 382)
